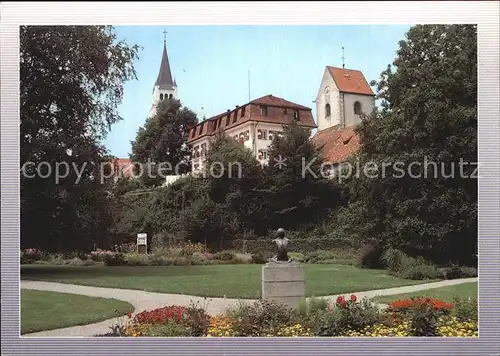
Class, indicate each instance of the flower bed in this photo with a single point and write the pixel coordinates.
(346, 317)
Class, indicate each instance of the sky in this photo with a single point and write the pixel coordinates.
(211, 65)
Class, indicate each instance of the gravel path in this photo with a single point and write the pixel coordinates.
(142, 300)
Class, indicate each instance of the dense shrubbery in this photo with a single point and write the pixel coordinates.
(314, 317)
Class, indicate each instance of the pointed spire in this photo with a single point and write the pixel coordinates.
(164, 80)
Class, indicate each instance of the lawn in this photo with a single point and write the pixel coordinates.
(463, 291)
(42, 310)
(232, 281)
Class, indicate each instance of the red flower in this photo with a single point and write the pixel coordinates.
(129, 314)
(353, 298)
(340, 299)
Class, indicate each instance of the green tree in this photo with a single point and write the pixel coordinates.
(429, 114)
(296, 188)
(161, 142)
(71, 83)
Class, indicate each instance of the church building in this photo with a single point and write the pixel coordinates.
(165, 86)
(344, 96)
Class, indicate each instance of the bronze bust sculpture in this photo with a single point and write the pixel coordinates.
(282, 244)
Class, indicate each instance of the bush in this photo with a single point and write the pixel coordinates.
(115, 259)
(77, 262)
(370, 256)
(465, 309)
(454, 272)
(418, 269)
(137, 259)
(261, 258)
(157, 260)
(468, 272)
(196, 320)
(30, 255)
(424, 319)
(312, 305)
(100, 255)
(254, 318)
(224, 256)
(168, 329)
(242, 258)
(89, 262)
(395, 260)
(296, 256)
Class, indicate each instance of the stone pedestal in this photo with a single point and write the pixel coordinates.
(283, 283)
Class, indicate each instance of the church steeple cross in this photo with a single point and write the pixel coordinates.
(343, 58)
(165, 36)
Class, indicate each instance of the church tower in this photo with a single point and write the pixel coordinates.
(165, 87)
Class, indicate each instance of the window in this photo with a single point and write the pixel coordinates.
(262, 154)
(201, 128)
(161, 96)
(227, 120)
(285, 111)
(262, 134)
(247, 135)
(242, 111)
(235, 116)
(296, 114)
(271, 135)
(357, 108)
(263, 110)
(327, 110)
(203, 149)
(170, 96)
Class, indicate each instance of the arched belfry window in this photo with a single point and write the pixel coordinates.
(161, 96)
(170, 96)
(328, 110)
(357, 108)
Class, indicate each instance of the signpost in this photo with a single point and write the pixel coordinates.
(142, 243)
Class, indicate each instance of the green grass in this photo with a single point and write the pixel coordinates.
(463, 291)
(41, 310)
(232, 281)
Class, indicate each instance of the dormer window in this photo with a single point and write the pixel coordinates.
(296, 114)
(243, 111)
(357, 108)
(263, 110)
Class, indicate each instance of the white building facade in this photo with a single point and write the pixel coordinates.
(343, 97)
(254, 125)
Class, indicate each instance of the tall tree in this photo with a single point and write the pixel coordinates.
(162, 140)
(427, 125)
(297, 191)
(71, 82)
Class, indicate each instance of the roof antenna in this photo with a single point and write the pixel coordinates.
(343, 58)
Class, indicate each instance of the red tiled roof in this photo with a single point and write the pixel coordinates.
(350, 81)
(271, 100)
(211, 125)
(337, 144)
(125, 166)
